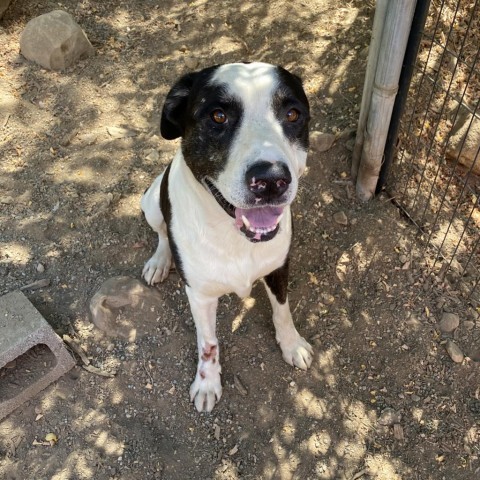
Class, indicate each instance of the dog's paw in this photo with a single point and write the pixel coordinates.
(297, 352)
(206, 391)
(157, 268)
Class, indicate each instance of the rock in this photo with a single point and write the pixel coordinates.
(3, 6)
(54, 41)
(115, 293)
(475, 355)
(191, 63)
(153, 156)
(469, 325)
(321, 142)
(120, 132)
(87, 138)
(327, 299)
(454, 351)
(449, 322)
(40, 268)
(464, 142)
(389, 417)
(7, 200)
(340, 218)
(350, 144)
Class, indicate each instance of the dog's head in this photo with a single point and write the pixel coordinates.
(244, 130)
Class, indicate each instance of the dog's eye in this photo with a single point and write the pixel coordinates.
(218, 116)
(292, 115)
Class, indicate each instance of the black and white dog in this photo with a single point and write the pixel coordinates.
(222, 206)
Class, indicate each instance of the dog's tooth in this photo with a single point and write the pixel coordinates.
(245, 221)
(279, 219)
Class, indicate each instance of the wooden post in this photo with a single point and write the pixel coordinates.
(373, 51)
(395, 34)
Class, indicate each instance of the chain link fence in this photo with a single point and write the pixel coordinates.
(435, 179)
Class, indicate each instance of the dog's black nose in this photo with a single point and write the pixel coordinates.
(268, 180)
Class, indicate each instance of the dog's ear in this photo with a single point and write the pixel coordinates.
(172, 124)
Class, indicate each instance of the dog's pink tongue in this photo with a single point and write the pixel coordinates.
(263, 217)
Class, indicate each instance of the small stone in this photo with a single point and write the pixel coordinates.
(153, 156)
(327, 299)
(454, 351)
(469, 325)
(321, 142)
(54, 41)
(475, 356)
(40, 268)
(87, 138)
(340, 218)
(191, 63)
(449, 322)
(120, 132)
(350, 145)
(389, 417)
(7, 200)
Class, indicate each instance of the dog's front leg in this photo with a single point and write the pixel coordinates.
(206, 389)
(296, 350)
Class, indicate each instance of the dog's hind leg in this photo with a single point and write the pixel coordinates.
(156, 269)
(206, 389)
(296, 350)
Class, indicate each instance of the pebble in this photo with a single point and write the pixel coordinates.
(120, 132)
(40, 268)
(153, 156)
(449, 322)
(388, 417)
(475, 355)
(469, 325)
(7, 200)
(340, 218)
(191, 62)
(321, 142)
(454, 351)
(327, 298)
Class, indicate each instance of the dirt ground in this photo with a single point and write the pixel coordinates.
(383, 399)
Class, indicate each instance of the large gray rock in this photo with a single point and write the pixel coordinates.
(3, 6)
(464, 143)
(54, 41)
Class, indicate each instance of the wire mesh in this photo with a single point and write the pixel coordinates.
(436, 178)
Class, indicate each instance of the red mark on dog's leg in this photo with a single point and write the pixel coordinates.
(202, 374)
(208, 352)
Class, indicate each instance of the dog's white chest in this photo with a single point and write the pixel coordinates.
(216, 258)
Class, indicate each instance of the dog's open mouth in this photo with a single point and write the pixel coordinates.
(258, 224)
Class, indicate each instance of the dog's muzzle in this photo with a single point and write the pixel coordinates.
(258, 224)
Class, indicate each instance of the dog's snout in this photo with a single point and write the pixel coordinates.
(268, 180)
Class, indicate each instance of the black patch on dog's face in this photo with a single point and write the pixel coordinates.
(188, 112)
(290, 95)
(206, 143)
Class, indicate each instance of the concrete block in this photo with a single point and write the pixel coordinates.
(32, 355)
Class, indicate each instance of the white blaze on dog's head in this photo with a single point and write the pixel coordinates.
(244, 130)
